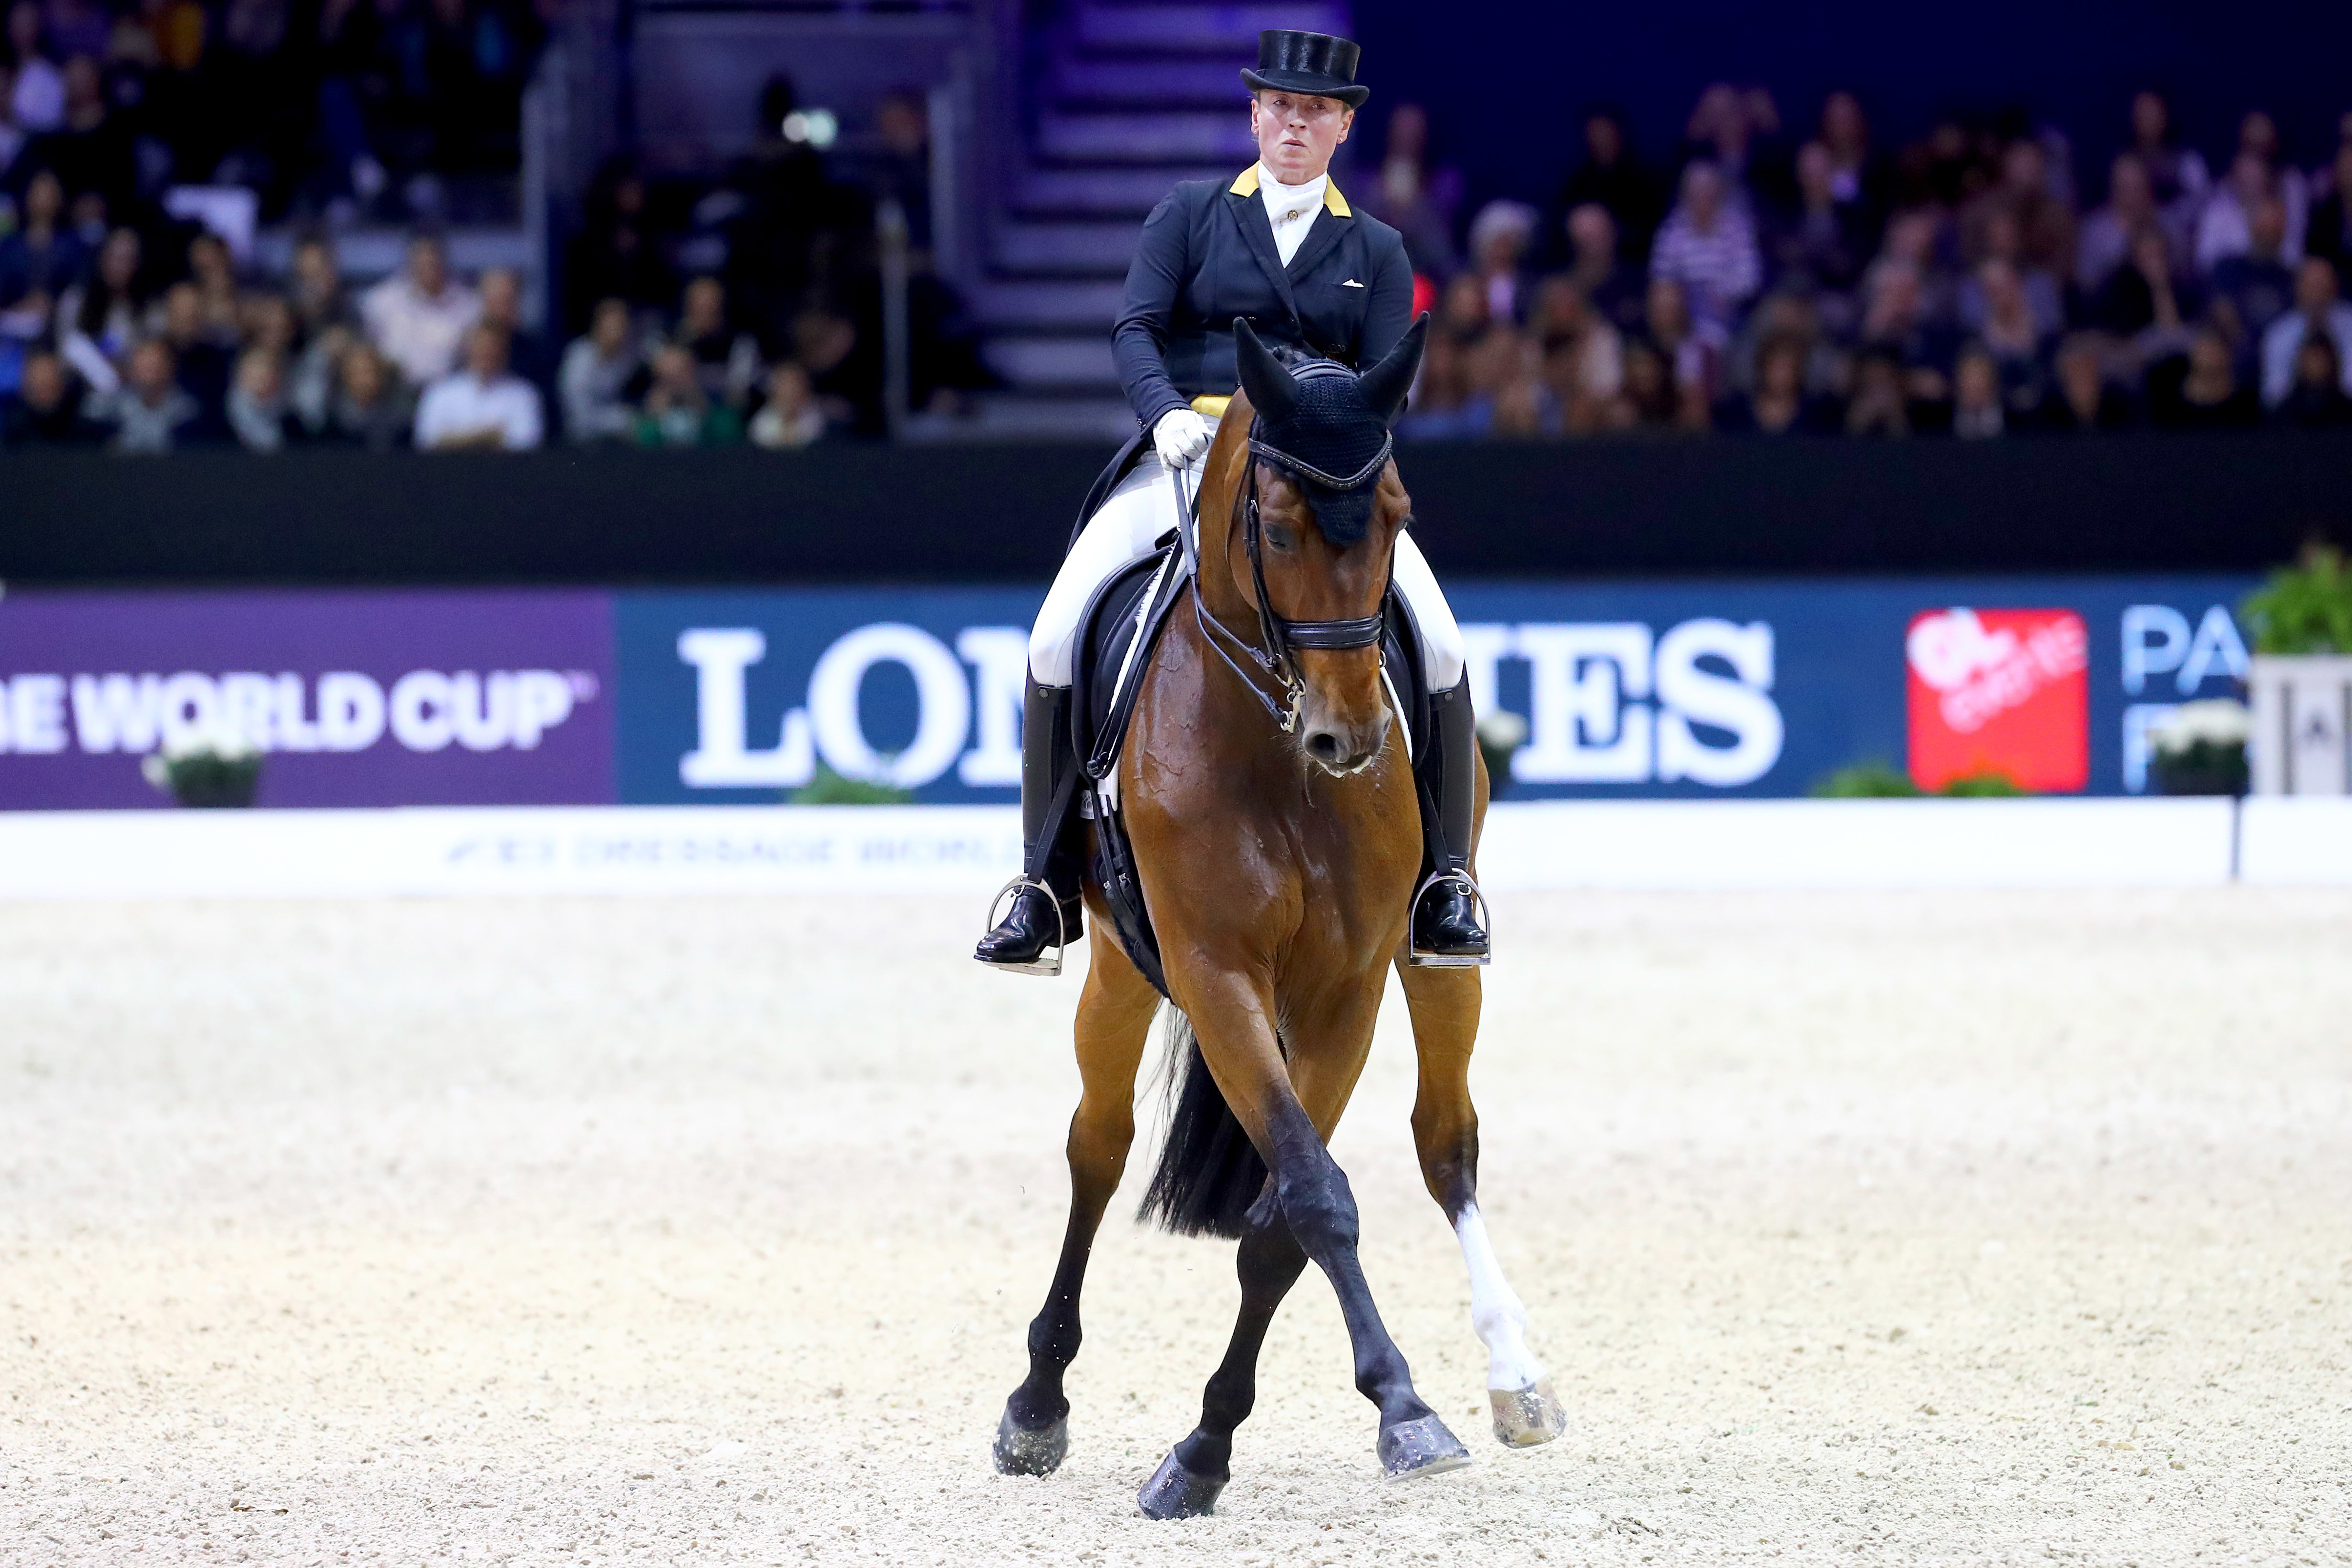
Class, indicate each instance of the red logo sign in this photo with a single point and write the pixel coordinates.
(2000, 691)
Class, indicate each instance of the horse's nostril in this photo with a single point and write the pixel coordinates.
(1325, 746)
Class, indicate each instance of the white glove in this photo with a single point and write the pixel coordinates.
(1182, 438)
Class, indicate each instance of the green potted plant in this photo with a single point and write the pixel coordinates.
(205, 771)
(2300, 678)
(2202, 749)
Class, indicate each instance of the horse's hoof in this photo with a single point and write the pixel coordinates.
(1422, 1447)
(1175, 1492)
(1528, 1416)
(1021, 1452)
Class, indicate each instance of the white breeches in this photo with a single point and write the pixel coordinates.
(1140, 510)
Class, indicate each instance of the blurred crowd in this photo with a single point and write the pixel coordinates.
(755, 317)
(1810, 281)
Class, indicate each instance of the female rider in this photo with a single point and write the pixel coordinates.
(1281, 247)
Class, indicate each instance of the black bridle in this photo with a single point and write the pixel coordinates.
(1279, 635)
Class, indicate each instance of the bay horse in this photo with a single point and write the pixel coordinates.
(1275, 828)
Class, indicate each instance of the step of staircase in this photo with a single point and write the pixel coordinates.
(1129, 194)
(1160, 136)
(1130, 83)
(1014, 305)
(1064, 250)
(1224, 30)
(1059, 362)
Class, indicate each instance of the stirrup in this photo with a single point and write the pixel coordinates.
(1421, 957)
(1048, 966)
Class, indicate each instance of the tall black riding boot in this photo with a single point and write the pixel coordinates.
(1446, 929)
(1053, 845)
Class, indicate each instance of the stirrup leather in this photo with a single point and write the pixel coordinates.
(1420, 956)
(1051, 964)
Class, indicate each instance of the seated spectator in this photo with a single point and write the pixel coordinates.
(1978, 408)
(1777, 404)
(678, 411)
(2329, 235)
(147, 411)
(40, 97)
(1861, 182)
(1500, 236)
(1824, 243)
(2317, 311)
(212, 274)
(2225, 228)
(1614, 287)
(2104, 241)
(1881, 405)
(40, 261)
(1692, 348)
(2200, 390)
(368, 409)
(1708, 247)
(726, 360)
(614, 256)
(2257, 283)
(596, 380)
(2147, 294)
(98, 317)
(316, 291)
(1895, 323)
(482, 406)
(258, 413)
(204, 363)
(1583, 355)
(419, 316)
(2044, 224)
(2009, 334)
(1613, 178)
(1462, 314)
(500, 292)
(1726, 127)
(2316, 399)
(2043, 293)
(1650, 403)
(845, 368)
(791, 416)
(1414, 200)
(2177, 175)
(46, 409)
(2083, 400)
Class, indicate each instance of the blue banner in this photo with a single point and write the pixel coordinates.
(1628, 688)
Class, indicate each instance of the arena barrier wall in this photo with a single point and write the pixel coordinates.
(969, 851)
(564, 697)
(964, 514)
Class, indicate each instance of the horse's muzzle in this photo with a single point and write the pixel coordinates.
(1341, 748)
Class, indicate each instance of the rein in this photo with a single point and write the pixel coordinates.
(1279, 635)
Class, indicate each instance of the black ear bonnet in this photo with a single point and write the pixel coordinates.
(1325, 426)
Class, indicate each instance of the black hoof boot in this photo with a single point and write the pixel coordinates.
(1019, 1451)
(1175, 1492)
(1031, 937)
(1446, 931)
(1410, 1449)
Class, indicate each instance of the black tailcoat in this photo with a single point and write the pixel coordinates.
(1207, 255)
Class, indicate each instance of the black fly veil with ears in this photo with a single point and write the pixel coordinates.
(1325, 426)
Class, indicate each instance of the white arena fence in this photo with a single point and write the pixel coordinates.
(527, 851)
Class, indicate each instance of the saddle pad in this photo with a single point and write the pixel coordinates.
(1117, 636)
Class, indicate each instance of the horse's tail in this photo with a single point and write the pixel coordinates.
(1209, 1173)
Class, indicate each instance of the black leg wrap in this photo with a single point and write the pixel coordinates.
(1447, 927)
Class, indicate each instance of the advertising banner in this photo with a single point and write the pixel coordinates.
(1629, 689)
(355, 698)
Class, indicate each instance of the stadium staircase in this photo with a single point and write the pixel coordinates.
(1124, 98)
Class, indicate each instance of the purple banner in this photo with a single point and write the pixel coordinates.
(359, 698)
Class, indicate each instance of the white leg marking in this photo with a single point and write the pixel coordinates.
(1496, 1310)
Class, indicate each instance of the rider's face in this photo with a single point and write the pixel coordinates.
(1298, 132)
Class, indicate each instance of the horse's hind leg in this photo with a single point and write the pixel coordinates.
(1113, 1021)
(1444, 1004)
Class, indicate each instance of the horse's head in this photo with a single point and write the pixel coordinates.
(1308, 449)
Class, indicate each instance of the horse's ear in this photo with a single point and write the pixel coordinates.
(1272, 389)
(1386, 383)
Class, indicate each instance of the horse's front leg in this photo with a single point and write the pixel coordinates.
(1444, 1006)
(1310, 1196)
(1113, 1021)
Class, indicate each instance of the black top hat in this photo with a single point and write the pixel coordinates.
(1315, 63)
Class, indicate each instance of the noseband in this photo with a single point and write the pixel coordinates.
(1278, 637)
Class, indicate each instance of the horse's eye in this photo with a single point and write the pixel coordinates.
(1279, 538)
